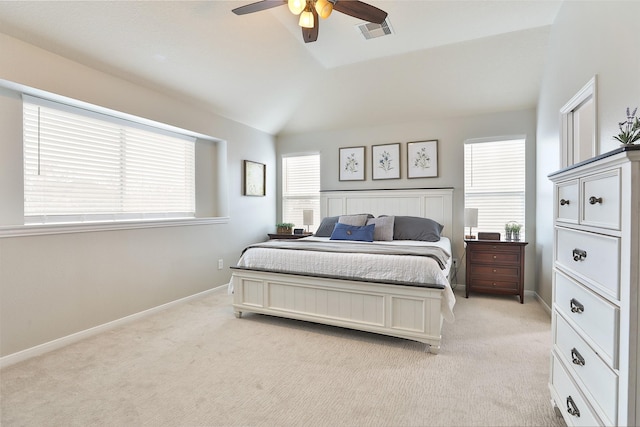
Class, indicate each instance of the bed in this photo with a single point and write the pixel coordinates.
(352, 288)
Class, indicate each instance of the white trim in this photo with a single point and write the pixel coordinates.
(44, 229)
(589, 90)
(56, 344)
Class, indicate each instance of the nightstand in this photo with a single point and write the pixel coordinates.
(287, 236)
(495, 267)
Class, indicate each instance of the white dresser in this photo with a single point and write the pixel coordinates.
(594, 376)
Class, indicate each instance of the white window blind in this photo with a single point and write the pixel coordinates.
(301, 189)
(81, 165)
(494, 182)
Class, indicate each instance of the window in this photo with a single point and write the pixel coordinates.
(494, 183)
(301, 189)
(82, 165)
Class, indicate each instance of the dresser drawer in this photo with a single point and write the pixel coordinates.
(600, 381)
(594, 258)
(569, 399)
(596, 319)
(601, 200)
(567, 203)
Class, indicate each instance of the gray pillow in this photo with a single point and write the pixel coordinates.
(416, 228)
(356, 220)
(384, 227)
(326, 226)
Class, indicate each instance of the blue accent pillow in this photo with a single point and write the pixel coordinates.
(352, 232)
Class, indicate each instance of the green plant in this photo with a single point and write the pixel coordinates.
(629, 129)
(285, 225)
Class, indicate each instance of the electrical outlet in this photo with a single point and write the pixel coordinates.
(220, 264)
(455, 263)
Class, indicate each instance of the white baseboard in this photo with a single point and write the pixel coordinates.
(38, 350)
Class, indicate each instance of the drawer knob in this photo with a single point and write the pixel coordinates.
(579, 254)
(564, 202)
(576, 357)
(593, 200)
(495, 257)
(494, 270)
(576, 306)
(572, 409)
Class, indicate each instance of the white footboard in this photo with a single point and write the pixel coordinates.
(400, 311)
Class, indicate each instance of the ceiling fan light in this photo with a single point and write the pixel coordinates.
(324, 8)
(306, 19)
(297, 6)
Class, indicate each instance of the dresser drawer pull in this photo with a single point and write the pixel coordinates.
(576, 357)
(576, 307)
(564, 202)
(593, 200)
(495, 257)
(572, 409)
(579, 254)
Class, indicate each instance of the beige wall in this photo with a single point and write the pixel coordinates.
(451, 134)
(587, 38)
(56, 285)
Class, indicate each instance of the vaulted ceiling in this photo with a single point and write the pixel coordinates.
(444, 58)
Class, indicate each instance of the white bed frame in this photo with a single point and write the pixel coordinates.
(400, 311)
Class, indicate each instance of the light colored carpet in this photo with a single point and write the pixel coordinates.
(196, 364)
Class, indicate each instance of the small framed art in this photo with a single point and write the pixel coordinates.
(351, 164)
(385, 161)
(422, 159)
(254, 178)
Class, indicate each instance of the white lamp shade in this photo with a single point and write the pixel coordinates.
(307, 216)
(297, 6)
(470, 217)
(306, 19)
(324, 8)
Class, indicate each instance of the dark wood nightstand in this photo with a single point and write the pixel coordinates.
(288, 236)
(495, 267)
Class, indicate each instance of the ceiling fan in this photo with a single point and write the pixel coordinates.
(310, 10)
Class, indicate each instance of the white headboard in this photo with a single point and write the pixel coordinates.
(436, 204)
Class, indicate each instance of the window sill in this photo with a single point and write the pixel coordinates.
(45, 229)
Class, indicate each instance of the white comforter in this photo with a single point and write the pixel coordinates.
(412, 269)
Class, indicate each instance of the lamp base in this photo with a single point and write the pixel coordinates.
(470, 237)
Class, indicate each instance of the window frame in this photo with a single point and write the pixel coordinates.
(498, 139)
(284, 197)
(21, 230)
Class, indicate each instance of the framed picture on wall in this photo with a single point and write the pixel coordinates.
(385, 161)
(254, 178)
(422, 159)
(351, 164)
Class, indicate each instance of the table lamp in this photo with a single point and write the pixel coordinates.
(307, 218)
(470, 220)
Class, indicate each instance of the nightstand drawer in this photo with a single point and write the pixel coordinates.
(484, 283)
(494, 257)
(497, 272)
(600, 381)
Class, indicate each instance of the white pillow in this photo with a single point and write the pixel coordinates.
(384, 227)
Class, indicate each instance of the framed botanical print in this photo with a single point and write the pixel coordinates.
(422, 159)
(351, 164)
(385, 161)
(254, 178)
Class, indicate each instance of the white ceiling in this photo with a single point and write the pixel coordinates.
(445, 58)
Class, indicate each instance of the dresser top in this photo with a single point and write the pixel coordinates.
(622, 149)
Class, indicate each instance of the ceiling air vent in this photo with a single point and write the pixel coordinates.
(370, 30)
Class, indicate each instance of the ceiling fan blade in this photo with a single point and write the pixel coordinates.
(311, 34)
(258, 6)
(360, 10)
